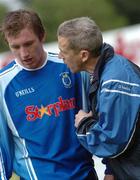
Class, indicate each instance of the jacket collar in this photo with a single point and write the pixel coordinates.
(107, 53)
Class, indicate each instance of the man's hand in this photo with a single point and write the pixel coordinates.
(80, 115)
(109, 177)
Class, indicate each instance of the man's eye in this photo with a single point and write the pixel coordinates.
(28, 44)
(15, 47)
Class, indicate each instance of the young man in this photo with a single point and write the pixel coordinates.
(111, 128)
(39, 99)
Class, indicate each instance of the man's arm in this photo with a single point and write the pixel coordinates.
(6, 149)
(118, 109)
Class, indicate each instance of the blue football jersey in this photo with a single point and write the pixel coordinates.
(39, 107)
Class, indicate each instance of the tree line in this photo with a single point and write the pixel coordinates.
(108, 14)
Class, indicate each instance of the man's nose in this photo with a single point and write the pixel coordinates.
(60, 55)
(24, 52)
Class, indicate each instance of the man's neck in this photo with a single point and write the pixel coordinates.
(91, 64)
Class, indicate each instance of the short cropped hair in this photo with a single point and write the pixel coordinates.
(82, 33)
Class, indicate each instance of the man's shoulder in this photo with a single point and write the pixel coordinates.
(54, 57)
(7, 67)
(8, 72)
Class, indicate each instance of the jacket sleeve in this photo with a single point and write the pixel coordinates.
(85, 88)
(118, 107)
(6, 150)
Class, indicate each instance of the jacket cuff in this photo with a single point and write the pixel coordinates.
(85, 125)
(108, 169)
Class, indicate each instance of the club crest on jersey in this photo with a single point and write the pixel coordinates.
(66, 79)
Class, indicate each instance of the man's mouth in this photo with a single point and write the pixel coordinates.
(28, 61)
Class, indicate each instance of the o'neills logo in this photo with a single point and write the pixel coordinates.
(24, 92)
(35, 112)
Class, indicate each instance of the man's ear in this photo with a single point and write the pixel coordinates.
(43, 37)
(84, 55)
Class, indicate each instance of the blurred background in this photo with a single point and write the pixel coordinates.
(119, 21)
